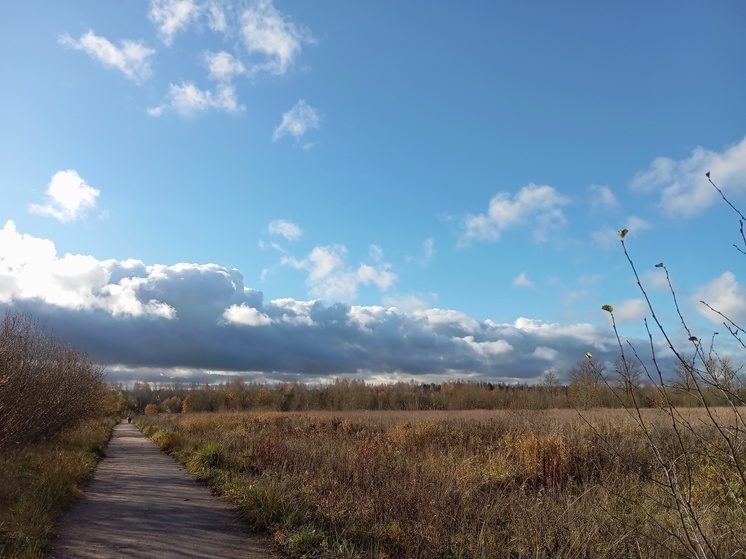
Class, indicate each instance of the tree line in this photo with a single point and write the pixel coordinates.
(588, 386)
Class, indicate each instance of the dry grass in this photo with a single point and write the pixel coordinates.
(38, 482)
(450, 484)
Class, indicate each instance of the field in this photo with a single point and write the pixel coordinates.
(470, 484)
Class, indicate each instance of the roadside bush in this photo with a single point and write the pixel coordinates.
(46, 385)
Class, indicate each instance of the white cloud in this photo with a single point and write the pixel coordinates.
(246, 315)
(69, 197)
(521, 280)
(223, 65)
(131, 58)
(602, 197)
(683, 186)
(631, 310)
(381, 276)
(297, 121)
(330, 277)
(286, 229)
(495, 347)
(725, 295)
(216, 18)
(269, 33)
(587, 333)
(172, 16)
(187, 99)
(76, 282)
(538, 205)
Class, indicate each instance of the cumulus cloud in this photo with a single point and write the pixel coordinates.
(725, 295)
(191, 321)
(186, 99)
(31, 270)
(69, 197)
(270, 34)
(682, 186)
(246, 315)
(172, 16)
(223, 66)
(330, 277)
(131, 57)
(297, 121)
(541, 206)
(285, 228)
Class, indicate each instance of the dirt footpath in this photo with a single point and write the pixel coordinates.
(141, 503)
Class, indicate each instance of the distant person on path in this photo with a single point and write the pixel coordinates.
(129, 418)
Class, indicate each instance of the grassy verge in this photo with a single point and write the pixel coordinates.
(38, 482)
(447, 485)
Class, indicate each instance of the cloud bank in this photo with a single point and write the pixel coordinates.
(157, 322)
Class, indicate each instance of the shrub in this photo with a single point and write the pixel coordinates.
(46, 385)
(151, 409)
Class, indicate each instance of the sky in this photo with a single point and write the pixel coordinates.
(291, 191)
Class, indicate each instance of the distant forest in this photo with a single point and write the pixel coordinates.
(350, 395)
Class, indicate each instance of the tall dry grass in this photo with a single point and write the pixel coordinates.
(447, 484)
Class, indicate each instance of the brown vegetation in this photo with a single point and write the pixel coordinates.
(46, 385)
(39, 481)
(456, 484)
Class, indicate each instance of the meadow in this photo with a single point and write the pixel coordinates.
(470, 484)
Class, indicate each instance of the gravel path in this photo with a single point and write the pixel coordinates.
(141, 503)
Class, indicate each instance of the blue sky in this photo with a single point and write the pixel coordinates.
(385, 190)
